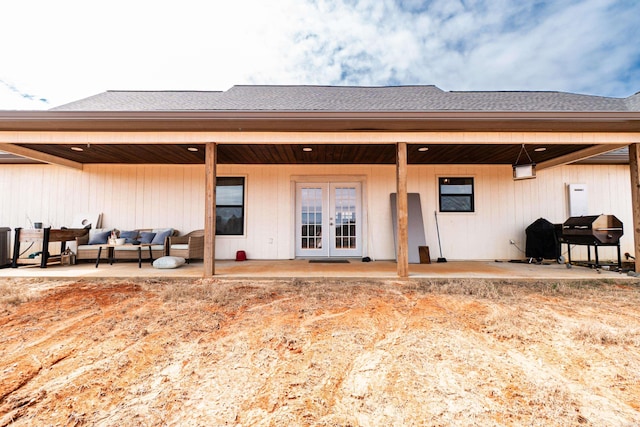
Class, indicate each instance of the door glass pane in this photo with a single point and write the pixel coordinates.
(345, 217)
(311, 212)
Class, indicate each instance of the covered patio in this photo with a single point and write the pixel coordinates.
(303, 269)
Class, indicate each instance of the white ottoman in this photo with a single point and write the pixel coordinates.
(168, 262)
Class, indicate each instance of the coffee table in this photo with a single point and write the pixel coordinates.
(111, 248)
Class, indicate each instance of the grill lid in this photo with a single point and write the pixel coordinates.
(592, 230)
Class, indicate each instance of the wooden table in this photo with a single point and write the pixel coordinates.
(111, 248)
(44, 236)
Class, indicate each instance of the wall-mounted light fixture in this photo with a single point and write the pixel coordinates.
(192, 149)
(423, 149)
(77, 148)
(307, 149)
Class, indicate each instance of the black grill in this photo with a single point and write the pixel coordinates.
(542, 241)
(592, 230)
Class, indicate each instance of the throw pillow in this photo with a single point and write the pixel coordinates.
(168, 262)
(147, 237)
(129, 236)
(99, 238)
(161, 235)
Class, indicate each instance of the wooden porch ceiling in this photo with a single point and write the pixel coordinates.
(296, 154)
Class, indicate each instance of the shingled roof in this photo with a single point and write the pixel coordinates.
(349, 98)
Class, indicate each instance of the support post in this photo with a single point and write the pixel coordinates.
(402, 210)
(210, 210)
(634, 165)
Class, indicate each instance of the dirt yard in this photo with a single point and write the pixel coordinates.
(319, 353)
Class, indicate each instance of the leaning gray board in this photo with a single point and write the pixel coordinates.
(416, 226)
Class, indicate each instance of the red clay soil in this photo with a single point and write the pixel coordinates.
(319, 353)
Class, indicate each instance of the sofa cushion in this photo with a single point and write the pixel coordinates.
(169, 262)
(87, 248)
(146, 236)
(161, 235)
(129, 236)
(99, 238)
(180, 246)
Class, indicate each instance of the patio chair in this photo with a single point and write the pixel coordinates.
(190, 246)
(87, 246)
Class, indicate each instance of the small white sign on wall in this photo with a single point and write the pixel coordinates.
(578, 200)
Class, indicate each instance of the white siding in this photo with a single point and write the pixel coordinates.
(145, 196)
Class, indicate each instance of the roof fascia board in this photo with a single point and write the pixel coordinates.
(56, 116)
(579, 155)
(41, 157)
(321, 121)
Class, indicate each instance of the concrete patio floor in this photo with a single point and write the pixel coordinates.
(304, 269)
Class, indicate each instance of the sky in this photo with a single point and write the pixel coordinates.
(55, 52)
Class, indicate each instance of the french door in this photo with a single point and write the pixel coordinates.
(328, 220)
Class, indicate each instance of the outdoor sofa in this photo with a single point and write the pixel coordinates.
(88, 246)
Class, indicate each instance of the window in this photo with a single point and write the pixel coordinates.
(230, 206)
(456, 194)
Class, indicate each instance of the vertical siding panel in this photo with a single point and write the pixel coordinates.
(509, 198)
(108, 176)
(162, 202)
(77, 184)
(147, 198)
(151, 197)
(159, 211)
(8, 184)
(284, 233)
(165, 205)
(154, 215)
(140, 173)
(58, 219)
(188, 220)
(116, 197)
(264, 230)
(486, 181)
(198, 200)
(28, 194)
(81, 186)
(129, 177)
(176, 213)
(65, 210)
(6, 194)
(48, 204)
(93, 190)
(490, 196)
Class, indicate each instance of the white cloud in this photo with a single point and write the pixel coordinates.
(69, 49)
(14, 98)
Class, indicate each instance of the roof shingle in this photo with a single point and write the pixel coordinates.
(349, 98)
